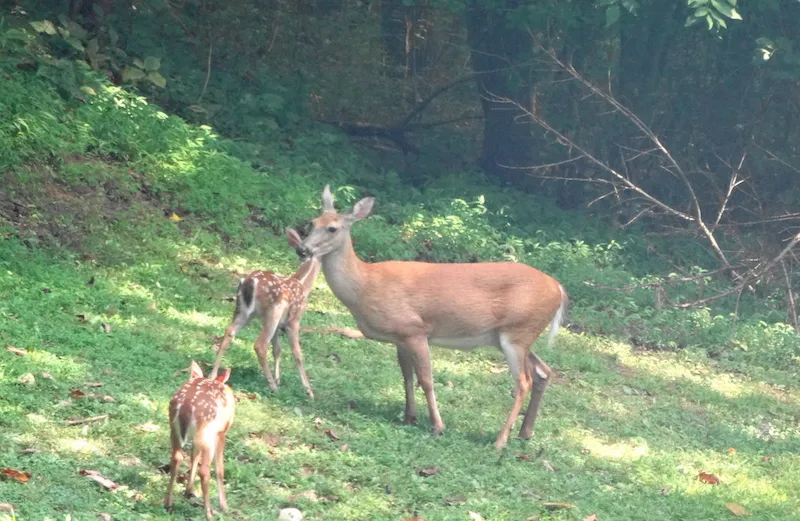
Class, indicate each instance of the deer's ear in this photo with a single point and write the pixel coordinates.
(327, 200)
(361, 209)
(195, 371)
(224, 376)
(293, 237)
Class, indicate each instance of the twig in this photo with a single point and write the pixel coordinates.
(177, 19)
(208, 74)
(91, 419)
(790, 294)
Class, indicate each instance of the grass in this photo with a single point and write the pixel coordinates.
(623, 434)
(100, 286)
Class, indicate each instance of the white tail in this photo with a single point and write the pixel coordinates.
(281, 303)
(462, 306)
(201, 410)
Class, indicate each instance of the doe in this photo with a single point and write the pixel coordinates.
(461, 306)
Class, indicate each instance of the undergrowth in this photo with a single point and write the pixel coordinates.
(124, 228)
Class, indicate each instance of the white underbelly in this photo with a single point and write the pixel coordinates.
(466, 343)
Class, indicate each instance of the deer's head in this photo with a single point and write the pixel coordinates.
(331, 230)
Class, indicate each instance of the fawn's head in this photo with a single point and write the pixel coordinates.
(331, 230)
(195, 372)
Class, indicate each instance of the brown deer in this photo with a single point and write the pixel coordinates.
(202, 409)
(460, 306)
(281, 303)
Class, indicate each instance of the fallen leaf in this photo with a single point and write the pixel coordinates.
(548, 466)
(77, 393)
(428, 471)
(731, 450)
(91, 419)
(273, 440)
(415, 518)
(19, 476)
(147, 427)
(106, 327)
(151, 306)
(93, 384)
(306, 471)
(737, 510)
(17, 351)
(64, 403)
(108, 399)
(104, 516)
(25, 452)
(592, 517)
(27, 379)
(475, 516)
(332, 435)
(765, 459)
(496, 369)
(330, 498)
(558, 506)
(454, 500)
(343, 448)
(524, 457)
(711, 479)
(47, 376)
(132, 461)
(175, 217)
(317, 421)
(99, 478)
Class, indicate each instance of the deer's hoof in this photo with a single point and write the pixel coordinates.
(437, 430)
(410, 420)
(501, 442)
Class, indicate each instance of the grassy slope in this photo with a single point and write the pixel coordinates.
(626, 432)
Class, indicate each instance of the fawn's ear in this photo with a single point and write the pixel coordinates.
(224, 376)
(195, 371)
(293, 237)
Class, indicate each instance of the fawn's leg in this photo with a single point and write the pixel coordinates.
(294, 337)
(269, 326)
(276, 355)
(174, 468)
(219, 467)
(205, 478)
(193, 463)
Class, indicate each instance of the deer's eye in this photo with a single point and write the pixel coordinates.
(332, 229)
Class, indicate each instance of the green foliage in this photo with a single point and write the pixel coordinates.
(714, 12)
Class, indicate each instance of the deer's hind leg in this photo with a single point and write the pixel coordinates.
(540, 372)
(269, 327)
(514, 347)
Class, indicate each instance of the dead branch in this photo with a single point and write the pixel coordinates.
(91, 419)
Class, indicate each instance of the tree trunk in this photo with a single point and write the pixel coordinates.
(495, 49)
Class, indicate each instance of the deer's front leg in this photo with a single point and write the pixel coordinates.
(276, 355)
(405, 359)
(421, 357)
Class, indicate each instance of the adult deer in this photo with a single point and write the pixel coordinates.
(202, 409)
(461, 306)
(280, 302)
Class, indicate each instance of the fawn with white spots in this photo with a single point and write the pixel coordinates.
(460, 306)
(201, 410)
(280, 302)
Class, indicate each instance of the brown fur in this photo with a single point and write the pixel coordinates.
(412, 304)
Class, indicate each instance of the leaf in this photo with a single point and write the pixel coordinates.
(6, 507)
(475, 516)
(711, 479)
(105, 327)
(558, 506)
(92, 47)
(332, 435)
(175, 217)
(104, 516)
(17, 351)
(427, 472)
(157, 79)
(27, 379)
(139, 63)
(612, 15)
(151, 63)
(132, 74)
(592, 517)
(524, 457)
(343, 448)
(99, 478)
(548, 466)
(45, 26)
(737, 510)
(113, 37)
(454, 500)
(147, 427)
(20, 476)
(75, 43)
(415, 518)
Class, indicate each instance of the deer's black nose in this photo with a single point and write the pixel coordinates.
(303, 252)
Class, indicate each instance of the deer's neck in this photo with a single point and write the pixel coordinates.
(307, 274)
(346, 274)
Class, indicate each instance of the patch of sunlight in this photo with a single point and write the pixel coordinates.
(670, 368)
(624, 450)
(81, 446)
(57, 365)
(195, 317)
(133, 289)
(145, 402)
(37, 418)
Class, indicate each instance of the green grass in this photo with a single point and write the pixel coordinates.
(626, 432)
(86, 241)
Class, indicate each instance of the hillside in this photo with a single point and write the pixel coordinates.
(124, 230)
